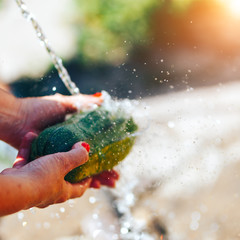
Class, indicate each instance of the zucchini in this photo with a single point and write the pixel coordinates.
(110, 136)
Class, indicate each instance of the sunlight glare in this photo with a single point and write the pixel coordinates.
(233, 6)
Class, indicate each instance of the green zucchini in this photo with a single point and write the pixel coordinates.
(110, 136)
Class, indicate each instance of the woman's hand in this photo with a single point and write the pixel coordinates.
(38, 113)
(41, 183)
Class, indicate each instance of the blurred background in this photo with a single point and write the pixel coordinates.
(180, 59)
(145, 47)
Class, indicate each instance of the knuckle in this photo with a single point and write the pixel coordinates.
(6, 171)
(60, 157)
(62, 160)
(69, 160)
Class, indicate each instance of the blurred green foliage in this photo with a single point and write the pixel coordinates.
(181, 5)
(107, 30)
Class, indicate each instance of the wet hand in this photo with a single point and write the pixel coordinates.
(41, 183)
(44, 177)
(38, 113)
(106, 178)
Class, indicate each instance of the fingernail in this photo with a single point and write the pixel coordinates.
(86, 146)
(97, 94)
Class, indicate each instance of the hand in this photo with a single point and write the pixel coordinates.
(43, 178)
(41, 183)
(38, 113)
(107, 178)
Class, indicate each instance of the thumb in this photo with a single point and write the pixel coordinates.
(77, 156)
(24, 150)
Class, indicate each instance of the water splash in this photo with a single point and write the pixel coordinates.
(57, 61)
(130, 229)
(123, 198)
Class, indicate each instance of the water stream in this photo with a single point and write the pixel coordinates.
(57, 61)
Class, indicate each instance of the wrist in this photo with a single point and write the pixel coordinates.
(11, 119)
(17, 193)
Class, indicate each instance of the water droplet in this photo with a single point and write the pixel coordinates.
(46, 225)
(95, 216)
(196, 216)
(92, 200)
(96, 233)
(115, 237)
(127, 225)
(124, 230)
(194, 226)
(62, 209)
(54, 88)
(130, 199)
(71, 203)
(190, 89)
(24, 224)
(20, 215)
(32, 210)
(171, 124)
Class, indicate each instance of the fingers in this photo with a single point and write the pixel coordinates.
(95, 183)
(70, 191)
(24, 150)
(78, 102)
(78, 189)
(83, 102)
(107, 178)
(67, 161)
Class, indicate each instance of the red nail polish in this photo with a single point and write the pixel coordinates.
(97, 94)
(86, 146)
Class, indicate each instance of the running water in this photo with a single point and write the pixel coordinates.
(129, 228)
(57, 61)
